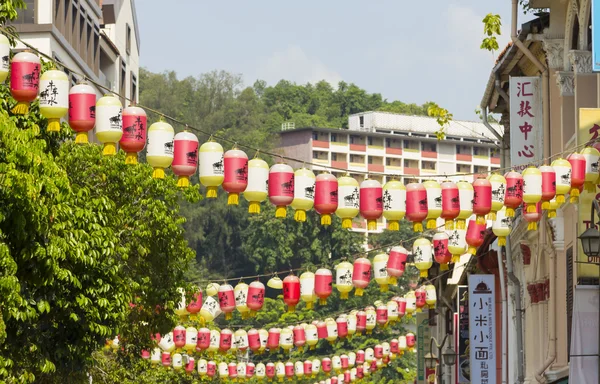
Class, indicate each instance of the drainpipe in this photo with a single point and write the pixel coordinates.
(519, 321)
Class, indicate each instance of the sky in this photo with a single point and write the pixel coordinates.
(413, 51)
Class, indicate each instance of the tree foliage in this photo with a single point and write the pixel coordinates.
(491, 29)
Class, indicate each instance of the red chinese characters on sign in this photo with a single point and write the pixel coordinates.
(525, 105)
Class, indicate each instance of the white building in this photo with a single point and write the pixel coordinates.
(382, 143)
(97, 38)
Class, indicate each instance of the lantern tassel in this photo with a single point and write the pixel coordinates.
(53, 125)
(81, 138)
(280, 211)
(183, 181)
(322, 301)
(491, 216)
(532, 226)
(510, 212)
(110, 149)
(501, 241)
(300, 215)
(326, 219)
(551, 214)
(560, 199)
(211, 192)
(233, 198)
(472, 250)
(158, 173)
(347, 223)
(228, 316)
(393, 225)
(309, 305)
(417, 226)
(574, 195)
(358, 292)
(480, 219)
(371, 225)
(393, 280)
(531, 208)
(590, 187)
(545, 205)
(291, 308)
(431, 224)
(423, 273)
(383, 288)
(21, 108)
(130, 158)
(444, 267)
(254, 207)
(460, 224)
(344, 295)
(449, 224)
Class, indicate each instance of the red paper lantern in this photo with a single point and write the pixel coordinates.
(291, 292)
(577, 174)
(273, 339)
(532, 186)
(281, 187)
(361, 275)
(396, 263)
(299, 337)
(82, 111)
(24, 80)
(322, 330)
(211, 369)
(225, 340)
(227, 300)
(394, 346)
(203, 339)
(382, 315)
(410, 340)
(166, 359)
(270, 370)
(416, 205)
(250, 368)
(134, 133)
(420, 296)
(235, 163)
(548, 186)
(196, 305)
(361, 321)
(482, 199)
(253, 340)
(326, 365)
(256, 296)
(342, 326)
(371, 202)
(326, 196)
(323, 284)
(179, 336)
(475, 236)
(289, 370)
(514, 192)
(440, 250)
(532, 216)
(232, 369)
(450, 203)
(308, 368)
(185, 157)
(378, 350)
(401, 305)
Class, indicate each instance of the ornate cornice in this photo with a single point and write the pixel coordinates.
(555, 52)
(566, 83)
(581, 61)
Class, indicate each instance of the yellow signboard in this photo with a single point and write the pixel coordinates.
(589, 130)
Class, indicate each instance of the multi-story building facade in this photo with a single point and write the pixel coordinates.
(97, 38)
(381, 144)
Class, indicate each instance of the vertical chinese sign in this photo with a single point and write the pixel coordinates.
(482, 331)
(462, 336)
(423, 340)
(588, 132)
(525, 121)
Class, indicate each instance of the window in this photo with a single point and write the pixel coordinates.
(388, 161)
(370, 160)
(315, 136)
(27, 15)
(370, 140)
(430, 165)
(352, 139)
(410, 144)
(463, 168)
(128, 39)
(334, 157)
(463, 149)
(361, 121)
(133, 88)
(333, 137)
(429, 147)
(315, 155)
(388, 143)
(478, 151)
(122, 81)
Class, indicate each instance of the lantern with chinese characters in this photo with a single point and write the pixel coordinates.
(326, 365)
(280, 370)
(270, 371)
(108, 123)
(342, 326)
(211, 369)
(343, 279)
(360, 356)
(378, 351)
(465, 197)
(514, 192)
(411, 303)
(475, 236)
(420, 295)
(434, 202)
(214, 341)
(281, 187)
(562, 168)
(316, 366)
(336, 363)
(577, 174)
(326, 196)
(308, 368)
(450, 203)
(291, 292)
(482, 199)
(185, 157)
(323, 284)
(548, 185)
(332, 333)
(54, 97)
(253, 340)
(210, 309)
(299, 337)
(307, 289)
(371, 316)
(502, 226)
(381, 315)
(380, 271)
(191, 338)
(286, 339)
(227, 300)
(260, 371)
(396, 263)
(263, 336)
(256, 297)
(225, 340)
(274, 337)
(258, 179)
(289, 370)
(165, 359)
(202, 368)
(416, 205)
(402, 344)
(24, 80)
(498, 183)
(532, 216)
(304, 193)
(133, 140)
(392, 311)
(369, 355)
(235, 174)
(430, 295)
(241, 299)
(352, 322)
(401, 305)
(532, 187)
(312, 335)
(159, 152)
(212, 289)
(394, 203)
(361, 321)
(371, 202)
(240, 340)
(82, 111)
(212, 167)
(181, 309)
(250, 370)
(348, 200)
(155, 356)
(232, 371)
(299, 369)
(410, 341)
(5, 55)
(166, 343)
(322, 329)
(440, 250)
(591, 156)
(203, 339)
(361, 275)
(423, 255)
(241, 370)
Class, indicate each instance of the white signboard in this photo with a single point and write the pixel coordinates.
(525, 121)
(482, 332)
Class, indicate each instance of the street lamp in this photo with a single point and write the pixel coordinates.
(448, 357)
(430, 361)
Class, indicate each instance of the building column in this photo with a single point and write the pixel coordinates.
(554, 49)
(566, 84)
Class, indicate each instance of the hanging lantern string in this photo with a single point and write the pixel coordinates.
(272, 154)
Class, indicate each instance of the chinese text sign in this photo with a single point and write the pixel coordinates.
(482, 331)
(525, 121)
